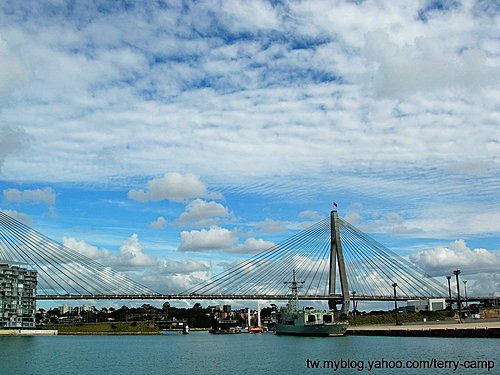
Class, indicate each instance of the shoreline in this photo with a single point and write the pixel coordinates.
(471, 329)
(107, 333)
(27, 332)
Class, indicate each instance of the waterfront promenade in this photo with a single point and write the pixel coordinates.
(487, 328)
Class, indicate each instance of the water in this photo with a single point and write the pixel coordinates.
(203, 353)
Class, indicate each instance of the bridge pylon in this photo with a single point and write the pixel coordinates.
(337, 261)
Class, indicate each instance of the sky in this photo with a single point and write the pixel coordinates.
(171, 138)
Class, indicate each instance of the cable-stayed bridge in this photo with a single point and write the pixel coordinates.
(332, 258)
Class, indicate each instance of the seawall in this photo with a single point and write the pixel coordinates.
(28, 332)
(479, 329)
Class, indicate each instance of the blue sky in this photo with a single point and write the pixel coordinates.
(170, 138)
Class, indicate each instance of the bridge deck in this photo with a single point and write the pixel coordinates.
(337, 297)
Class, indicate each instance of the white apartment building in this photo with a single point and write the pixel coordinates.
(17, 297)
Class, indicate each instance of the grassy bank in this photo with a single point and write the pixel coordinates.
(112, 328)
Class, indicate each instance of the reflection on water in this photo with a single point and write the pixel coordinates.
(200, 352)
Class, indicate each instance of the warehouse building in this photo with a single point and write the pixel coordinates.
(430, 304)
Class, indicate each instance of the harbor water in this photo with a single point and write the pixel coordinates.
(203, 353)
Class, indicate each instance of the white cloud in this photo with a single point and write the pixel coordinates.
(175, 282)
(19, 216)
(254, 102)
(441, 261)
(215, 238)
(439, 221)
(159, 223)
(272, 226)
(353, 218)
(248, 16)
(285, 108)
(310, 214)
(13, 72)
(397, 225)
(172, 186)
(46, 195)
(426, 66)
(174, 276)
(130, 255)
(481, 285)
(430, 56)
(200, 213)
(170, 266)
(460, 221)
(253, 245)
(160, 274)
(12, 140)
(86, 249)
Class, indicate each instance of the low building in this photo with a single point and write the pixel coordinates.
(17, 297)
(430, 304)
(64, 309)
(79, 309)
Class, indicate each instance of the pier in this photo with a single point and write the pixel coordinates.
(28, 332)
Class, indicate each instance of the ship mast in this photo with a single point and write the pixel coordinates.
(294, 285)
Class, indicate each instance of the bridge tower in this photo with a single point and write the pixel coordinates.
(337, 259)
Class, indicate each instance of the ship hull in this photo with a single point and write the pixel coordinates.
(312, 330)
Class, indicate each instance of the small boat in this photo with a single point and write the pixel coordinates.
(291, 320)
(225, 327)
(255, 330)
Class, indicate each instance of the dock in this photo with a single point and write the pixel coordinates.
(489, 329)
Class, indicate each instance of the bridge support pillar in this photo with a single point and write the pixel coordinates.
(337, 260)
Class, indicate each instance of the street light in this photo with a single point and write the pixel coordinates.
(354, 306)
(466, 299)
(449, 290)
(456, 273)
(395, 302)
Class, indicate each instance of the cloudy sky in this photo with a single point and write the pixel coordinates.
(168, 138)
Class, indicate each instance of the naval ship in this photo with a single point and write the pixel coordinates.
(291, 320)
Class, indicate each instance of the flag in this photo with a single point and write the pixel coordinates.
(335, 204)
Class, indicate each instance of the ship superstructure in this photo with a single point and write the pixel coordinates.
(292, 320)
